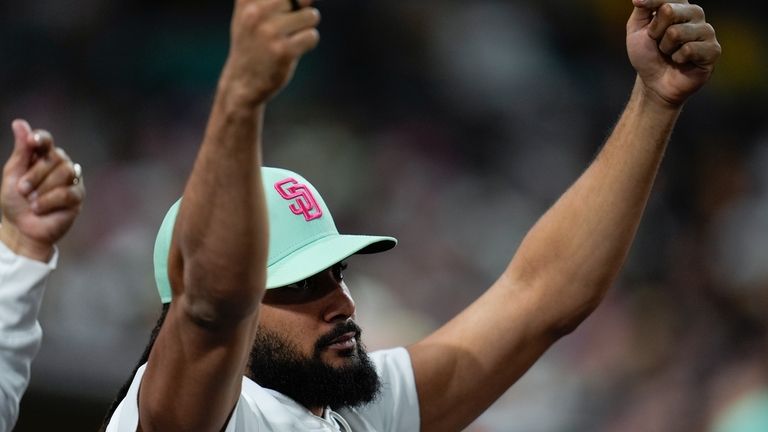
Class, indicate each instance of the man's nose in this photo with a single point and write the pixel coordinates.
(339, 306)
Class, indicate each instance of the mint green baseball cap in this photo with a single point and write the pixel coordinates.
(747, 414)
(303, 239)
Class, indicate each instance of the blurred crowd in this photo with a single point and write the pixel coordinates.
(451, 125)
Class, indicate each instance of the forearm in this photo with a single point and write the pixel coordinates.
(195, 367)
(573, 253)
(221, 229)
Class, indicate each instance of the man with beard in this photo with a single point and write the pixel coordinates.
(252, 261)
(299, 364)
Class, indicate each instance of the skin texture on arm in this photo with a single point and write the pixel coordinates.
(217, 262)
(573, 253)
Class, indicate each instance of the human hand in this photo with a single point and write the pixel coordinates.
(41, 194)
(672, 47)
(267, 41)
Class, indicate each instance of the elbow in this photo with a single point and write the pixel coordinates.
(562, 301)
(219, 294)
(566, 326)
(573, 297)
(571, 318)
(217, 265)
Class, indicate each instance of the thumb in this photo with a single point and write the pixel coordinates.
(22, 150)
(641, 16)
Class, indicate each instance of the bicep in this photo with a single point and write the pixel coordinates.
(193, 375)
(463, 367)
(195, 368)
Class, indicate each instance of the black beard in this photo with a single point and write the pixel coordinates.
(275, 363)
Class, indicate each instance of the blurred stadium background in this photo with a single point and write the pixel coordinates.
(451, 125)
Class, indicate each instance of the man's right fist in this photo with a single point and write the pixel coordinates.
(268, 38)
(672, 46)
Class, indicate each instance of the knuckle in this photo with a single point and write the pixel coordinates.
(666, 11)
(674, 34)
(67, 179)
(268, 30)
(46, 137)
(45, 164)
(670, 49)
(709, 30)
(665, 48)
(678, 58)
(698, 11)
(43, 202)
(718, 49)
(70, 195)
(60, 154)
(686, 50)
(33, 176)
(252, 13)
(279, 49)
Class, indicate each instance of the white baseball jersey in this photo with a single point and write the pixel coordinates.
(264, 410)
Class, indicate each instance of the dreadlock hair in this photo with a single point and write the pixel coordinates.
(144, 357)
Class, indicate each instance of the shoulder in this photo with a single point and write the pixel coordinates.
(126, 415)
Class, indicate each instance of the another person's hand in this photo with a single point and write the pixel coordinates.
(268, 38)
(672, 47)
(42, 193)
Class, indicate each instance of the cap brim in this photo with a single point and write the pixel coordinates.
(321, 254)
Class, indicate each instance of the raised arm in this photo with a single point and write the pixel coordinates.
(42, 192)
(571, 256)
(217, 262)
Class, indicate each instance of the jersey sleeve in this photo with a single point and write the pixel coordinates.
(22, 283)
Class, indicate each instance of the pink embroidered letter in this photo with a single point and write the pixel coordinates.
(304, 204)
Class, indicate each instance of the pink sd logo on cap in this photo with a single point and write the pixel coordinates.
(305, 203)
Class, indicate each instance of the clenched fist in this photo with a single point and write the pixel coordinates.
(267, 40)
(672, 47)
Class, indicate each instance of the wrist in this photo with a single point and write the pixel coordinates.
(22, 245)
(647, 97)
(240, 94)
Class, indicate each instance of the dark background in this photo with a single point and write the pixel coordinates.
(451, 125)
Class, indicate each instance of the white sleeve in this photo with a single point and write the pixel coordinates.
(22, 282)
